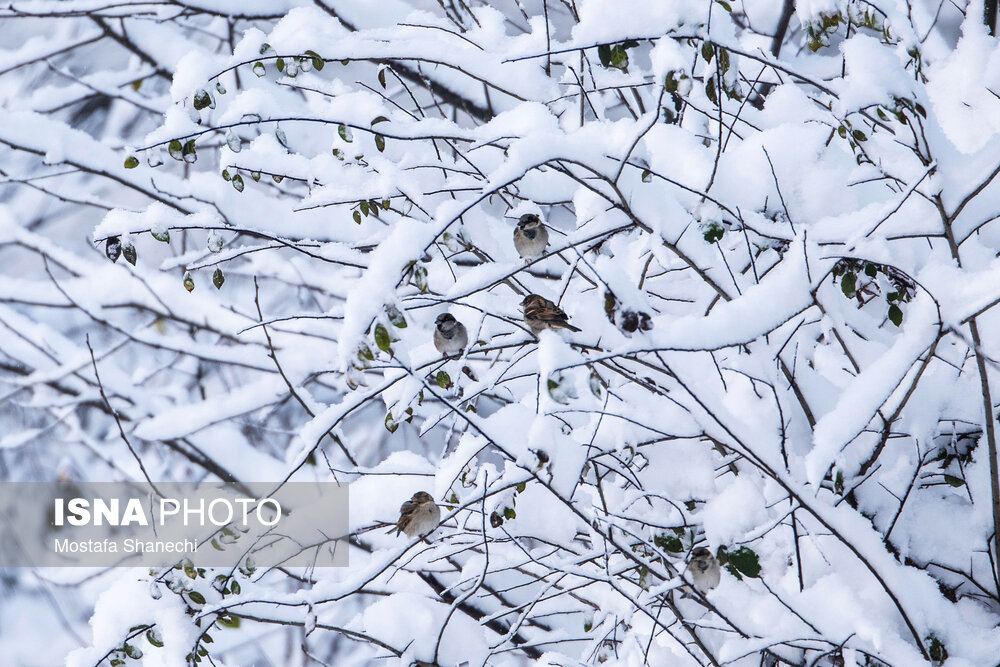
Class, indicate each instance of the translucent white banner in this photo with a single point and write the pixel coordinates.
(296, 524)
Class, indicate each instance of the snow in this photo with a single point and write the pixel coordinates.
(773, 237)
(875, 75)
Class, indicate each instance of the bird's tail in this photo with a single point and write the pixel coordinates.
(567, 325)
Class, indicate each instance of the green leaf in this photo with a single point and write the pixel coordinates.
(259, 69)
(379, 119)
(723, 60)
(707, 51)
(714, 233)
(954, 481)
(229, 621)
(131, 162)
(859, 136)
(220, 88)
(725, 5)
(849, 283)
(136, 85)
(710, 91)
(279, 64)
(382, 338)
(646, 176)
(196, 597)
(233, 141)
(345, 133)
(162, 235)
(131, 651)
(189, 286)
(521, 487)
(277, 178)
(745, 560)
(357, 217)
(187, 152)
(113, 248)
(670, 83)
(595, 384)
(937, 650)
(317, 62)
(218, 279)
(255, 175)
(386, 204)
(443, 380)
(175, 149)
(390, 424)
(379, 142)
(381, 77)
(202, 99)
(237, 182)
(190, 571)
(420, 278)
(871, 270)
(128, 252)
(667, 542)
(235, 587)
(509, 513)
(619, 57)
(842, 131)
(154, 638)
(604, 53)
(365, 208)
(895, 314)
(395, 316)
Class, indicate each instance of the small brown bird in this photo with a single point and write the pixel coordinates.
(541, 314)
(530, 236)
(704, 570)
(450, 335)
(419, 515)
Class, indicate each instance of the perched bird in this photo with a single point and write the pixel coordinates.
(450, 335)
(704, 570)
(541, 314)
(530, 236)
(419, 515)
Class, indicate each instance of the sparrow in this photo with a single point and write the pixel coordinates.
(704, 570)
(541, 314)
(530, 236)
(419, 515)
(450, 335)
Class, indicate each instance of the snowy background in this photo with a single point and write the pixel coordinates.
(227, 228)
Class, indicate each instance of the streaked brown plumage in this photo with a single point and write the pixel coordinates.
(541, 314)
(419, 515)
